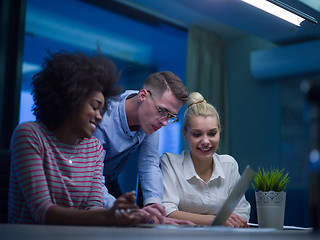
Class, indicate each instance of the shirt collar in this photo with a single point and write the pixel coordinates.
(188, 167)
(217, 169)
(122, 112)
(190, 172)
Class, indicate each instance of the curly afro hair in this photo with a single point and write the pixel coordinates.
(64, 82)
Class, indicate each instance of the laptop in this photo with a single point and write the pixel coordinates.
(233, 199)
(228, 206)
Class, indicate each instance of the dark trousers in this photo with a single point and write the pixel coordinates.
(115, 190)
(139, 196)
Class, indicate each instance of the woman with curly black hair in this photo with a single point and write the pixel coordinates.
(56, 164)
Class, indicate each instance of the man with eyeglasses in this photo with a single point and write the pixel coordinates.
(130, 128)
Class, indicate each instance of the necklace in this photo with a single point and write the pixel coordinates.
(70, 158)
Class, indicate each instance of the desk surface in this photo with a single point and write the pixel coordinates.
(42, 232)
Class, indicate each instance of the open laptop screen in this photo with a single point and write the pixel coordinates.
(233, 199)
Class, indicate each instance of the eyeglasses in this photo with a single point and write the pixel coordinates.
(164, 113)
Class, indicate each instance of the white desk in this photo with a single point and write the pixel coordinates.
(41, 232)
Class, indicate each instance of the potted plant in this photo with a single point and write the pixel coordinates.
(270, 192)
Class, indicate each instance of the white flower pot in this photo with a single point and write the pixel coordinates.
(270, 209)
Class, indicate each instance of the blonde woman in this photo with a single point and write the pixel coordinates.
(197, 182)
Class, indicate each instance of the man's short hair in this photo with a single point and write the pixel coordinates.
(160, 82)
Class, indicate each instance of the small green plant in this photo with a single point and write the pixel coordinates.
(273, 180)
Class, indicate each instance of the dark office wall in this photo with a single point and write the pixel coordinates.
(268, 120)
(257, 123)
(12, 13)
(254, 108)
(11, 48)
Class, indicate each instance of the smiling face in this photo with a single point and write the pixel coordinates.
(203, 136)
(83, 123)
(148, 115)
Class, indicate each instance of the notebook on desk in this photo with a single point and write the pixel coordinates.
(230, 203)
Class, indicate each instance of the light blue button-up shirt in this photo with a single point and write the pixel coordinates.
(119, 143)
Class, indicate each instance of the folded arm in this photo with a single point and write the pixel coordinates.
(233, 221)
(123, 213)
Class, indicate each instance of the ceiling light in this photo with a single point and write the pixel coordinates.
(282, 10)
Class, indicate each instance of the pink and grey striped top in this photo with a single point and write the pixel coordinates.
(46, 172)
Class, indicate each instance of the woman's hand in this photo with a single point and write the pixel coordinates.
(128, 217)
(236, 221)
(173, 221)
(154, 213)
(126, 212)
(157, 215)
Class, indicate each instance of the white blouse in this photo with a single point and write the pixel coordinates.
(184, 190)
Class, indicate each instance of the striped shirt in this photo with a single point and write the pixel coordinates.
(46, 172)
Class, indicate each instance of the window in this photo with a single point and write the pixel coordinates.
(139, 45)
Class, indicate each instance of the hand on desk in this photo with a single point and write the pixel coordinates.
(126, 212)
(174, 221)
(155, 212)
(236, 221)
(157, 215)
